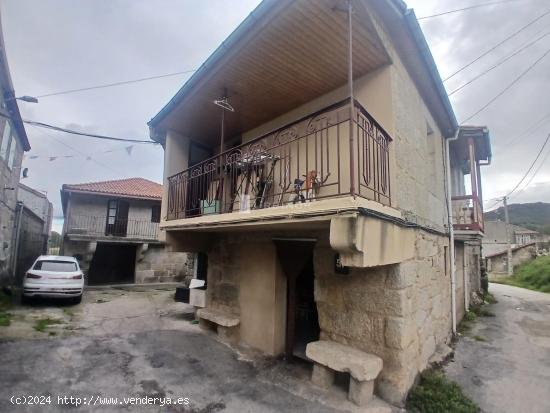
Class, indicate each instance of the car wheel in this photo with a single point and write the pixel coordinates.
(25, 300)
(77, 300)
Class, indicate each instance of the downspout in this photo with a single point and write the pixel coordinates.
(451, 228)
(17, 241)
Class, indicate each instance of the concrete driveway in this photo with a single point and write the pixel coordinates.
(510, 371)
(139, 343)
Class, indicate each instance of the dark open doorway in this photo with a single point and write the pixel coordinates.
(306, 319)
(302, 322)
(112, 264)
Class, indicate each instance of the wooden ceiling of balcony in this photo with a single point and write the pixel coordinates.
(296, 56)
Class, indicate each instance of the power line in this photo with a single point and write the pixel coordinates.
(531, 167)
(497, 45)
(508, 87)
(535, 174)
(106, 85)
(466, 8)
(521, 49)
(73, 132)
(524, 176)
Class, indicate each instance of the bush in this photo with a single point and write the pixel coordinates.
(534, 275)
(436, 394)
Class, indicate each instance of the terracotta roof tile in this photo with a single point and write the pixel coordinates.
(130, 188)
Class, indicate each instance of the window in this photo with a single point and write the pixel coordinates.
(5, 141)
(111, 216)
(13, 153)
(155, 213)
(55, 266)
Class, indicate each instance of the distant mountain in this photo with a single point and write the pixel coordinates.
(535, 216)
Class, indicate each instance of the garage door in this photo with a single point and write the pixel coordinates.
(112, 264)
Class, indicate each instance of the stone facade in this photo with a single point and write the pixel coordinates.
(398, 312)
(497, 263)
(157, 264)
(9, 180)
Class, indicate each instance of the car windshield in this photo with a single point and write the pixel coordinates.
(55, 266)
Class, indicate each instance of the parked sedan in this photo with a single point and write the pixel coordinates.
(54, 276)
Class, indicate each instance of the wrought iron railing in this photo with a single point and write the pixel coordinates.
(312, 158)
(467, 213)
(100, 227)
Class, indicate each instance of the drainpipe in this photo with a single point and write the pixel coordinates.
(451, 228)
(17, 241)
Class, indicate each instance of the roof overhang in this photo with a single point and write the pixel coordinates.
(8, 96)
(288, 52)
(482, 142)
(283, 55)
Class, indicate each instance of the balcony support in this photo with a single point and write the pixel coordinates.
(351, 99)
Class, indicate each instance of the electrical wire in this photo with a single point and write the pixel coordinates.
(497, 45)
(467, 8)
(106, 85)
(524, 176)
(521, 49)
(508, 87)
(543, 162)
(73, 132)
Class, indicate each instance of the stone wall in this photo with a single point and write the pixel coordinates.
(496, 265)
(9, 178)
(156, 264)
(397, 312)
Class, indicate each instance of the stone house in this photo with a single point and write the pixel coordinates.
(38, 203)
(316, 161)
(497, 262)
(112, 228)
(13, 142)
(496, 237)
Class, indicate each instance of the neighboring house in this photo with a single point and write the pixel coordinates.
(13, 142)
(497, 263)
(496, 238)
(321, 200)
(112, 228)
(39, 204)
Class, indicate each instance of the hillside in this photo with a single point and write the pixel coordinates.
(534, 216)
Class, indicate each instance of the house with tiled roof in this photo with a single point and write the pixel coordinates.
(112, 227)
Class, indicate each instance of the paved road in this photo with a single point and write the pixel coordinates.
(124, 343)
(510, 372)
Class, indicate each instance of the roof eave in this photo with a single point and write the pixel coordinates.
(210, 63)
(418, 36)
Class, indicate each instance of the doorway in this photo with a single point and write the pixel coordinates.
(112, 264)
(302, 321)
(306, 319)
(117, 218)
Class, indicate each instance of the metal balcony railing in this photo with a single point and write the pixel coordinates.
(313, 158)
(101, 226)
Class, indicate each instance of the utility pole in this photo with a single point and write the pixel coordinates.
(510, 265)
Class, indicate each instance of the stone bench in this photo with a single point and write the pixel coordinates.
(330, 357)
(227, 325)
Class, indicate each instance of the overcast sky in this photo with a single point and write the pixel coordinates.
(55, 45)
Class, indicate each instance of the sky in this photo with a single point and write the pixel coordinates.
(56, 45)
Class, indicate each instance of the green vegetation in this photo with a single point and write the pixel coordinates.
(489, 298)
(5, 304)
(479, 338)
(5, 319)
(534, 275)
(435, 394)
(43, 323)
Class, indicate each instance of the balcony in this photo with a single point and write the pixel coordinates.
(336, 152)
(467, 213)
(97, 228)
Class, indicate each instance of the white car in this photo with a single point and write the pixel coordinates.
(54, 276)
